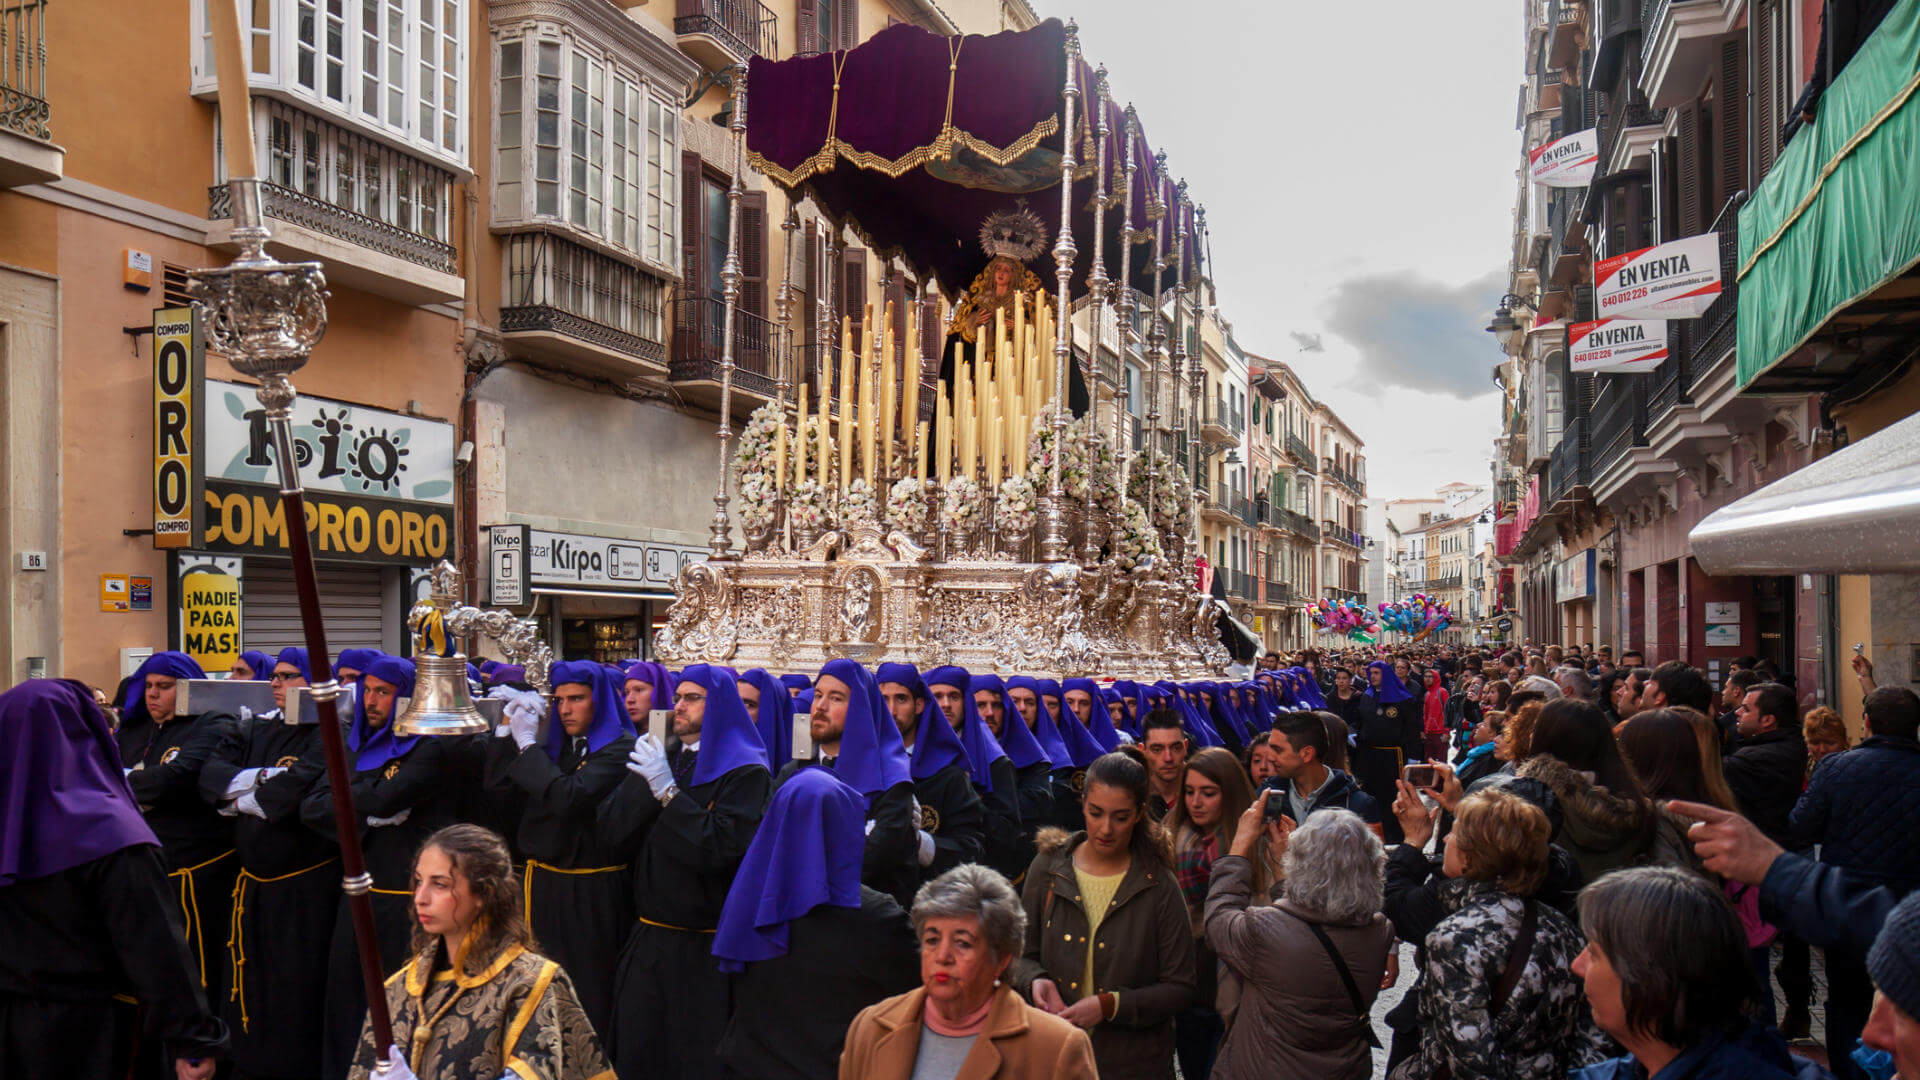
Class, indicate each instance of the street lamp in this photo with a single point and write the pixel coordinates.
(1503, 321)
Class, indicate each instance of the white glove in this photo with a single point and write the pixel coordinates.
(926, 847)
(870, 824)
(397, 819)
(649, 762)
(396, 1067)
(523, 721)
(243, 781)
(268, 774)
(249, 804)
(227, 809)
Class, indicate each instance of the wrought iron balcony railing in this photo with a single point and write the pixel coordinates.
(1301, 452)
(552, 284)
(747, 27)
(23, 69)
(1341, 534)
(699, 339)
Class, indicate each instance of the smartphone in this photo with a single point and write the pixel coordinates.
(1423, 776)
(1276, 803)
(803, 736)
(1859, 648)
(660, 724)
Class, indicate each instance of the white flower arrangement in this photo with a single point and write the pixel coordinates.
(907, 506)
(1016, 509)
(757, 438)
(1073, 463)
(1136, 541)
(964, 505)
(859, 505)
(808, 507)
(755, 498)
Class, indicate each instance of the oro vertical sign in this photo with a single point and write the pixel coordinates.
(179, 361)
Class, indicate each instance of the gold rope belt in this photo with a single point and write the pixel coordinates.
(190, 906)
(236, 933)
(526, 878)
(670, 926)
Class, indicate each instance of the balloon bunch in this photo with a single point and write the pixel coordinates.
(1418, 615)
(1349, 617)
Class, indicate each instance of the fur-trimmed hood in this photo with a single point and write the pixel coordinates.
(1594, 816)
(1052, 840)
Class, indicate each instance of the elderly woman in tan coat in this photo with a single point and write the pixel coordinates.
(963, 1024)
(1311, 964)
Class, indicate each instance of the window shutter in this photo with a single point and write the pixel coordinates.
(806, 23)
(1688, 178)
(847, 16)
(853, 271)
(693, 231)
(1766, 120)
(1732, 125)
(754, 339)
(897, 296)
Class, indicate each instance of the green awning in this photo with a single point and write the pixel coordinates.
(1839, 215)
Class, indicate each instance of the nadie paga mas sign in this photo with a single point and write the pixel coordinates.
(1617, 345)
(1567, 162)
(1679, 279)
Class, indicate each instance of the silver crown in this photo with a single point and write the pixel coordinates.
(1017, 234)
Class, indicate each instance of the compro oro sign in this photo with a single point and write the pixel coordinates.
(178, 365)
(379, 484)
(1567, 162)
(1617, 345)
(1676, 280)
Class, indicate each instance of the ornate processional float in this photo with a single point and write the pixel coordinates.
(959, 486)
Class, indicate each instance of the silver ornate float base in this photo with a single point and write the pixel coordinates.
(866, 596)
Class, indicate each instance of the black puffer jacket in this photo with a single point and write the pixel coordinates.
(1765, 772)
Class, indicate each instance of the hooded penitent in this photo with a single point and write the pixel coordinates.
(296, 656)
(374, 747)
(1099, 724)
(775, 716)
(64, 800)
(935, 744)
(1307, 689)
(983, 749)
(805, 853)
(1045, 732)
(351, 660)
(872, 757)
(173, 665)
(1082, 750)
(609, 706)
(728, 738)
(259, 663)
(1392, 690)
(1020, 743)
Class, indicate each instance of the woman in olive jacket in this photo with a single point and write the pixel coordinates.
(1109, 938)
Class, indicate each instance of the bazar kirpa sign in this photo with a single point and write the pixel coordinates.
(1568, 162)
(1616, 345)
(1679, 279)
(521, 558)
(379, 484)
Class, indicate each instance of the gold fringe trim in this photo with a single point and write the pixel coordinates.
(940, 149)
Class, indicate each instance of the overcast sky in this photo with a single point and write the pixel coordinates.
(1357, 165)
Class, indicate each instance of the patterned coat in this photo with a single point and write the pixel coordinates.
(1546, 1028)
(519, 1017)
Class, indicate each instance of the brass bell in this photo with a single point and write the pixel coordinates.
(442, 703)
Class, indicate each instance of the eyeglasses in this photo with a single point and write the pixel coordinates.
(286, 676)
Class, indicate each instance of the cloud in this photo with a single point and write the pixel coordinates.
(1307, 342)
(1416, 333)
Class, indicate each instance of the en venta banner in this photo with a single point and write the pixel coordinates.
(1679, 279)
(1567, 162)
(1617, 345)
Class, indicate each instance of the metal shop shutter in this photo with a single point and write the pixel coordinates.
(350, 602)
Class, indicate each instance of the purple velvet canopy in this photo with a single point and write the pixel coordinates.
(913, 139)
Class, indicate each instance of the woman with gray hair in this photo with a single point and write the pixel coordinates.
(962, 1020)
(1312, 963)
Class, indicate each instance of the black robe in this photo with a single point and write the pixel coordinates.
(1067, 785)
(578, 891)
(670, 1000)
(1009, 840)
(791, 1013)
(1385, 739)
(69, 942)
(284, 903)
(423, 784)
(198, 843)
(951, 812)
